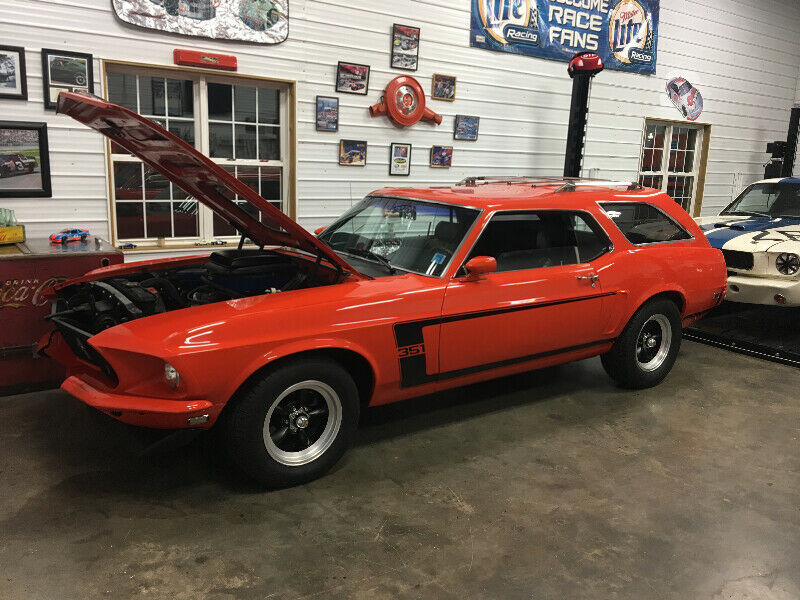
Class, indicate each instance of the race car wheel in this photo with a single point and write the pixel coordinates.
(293, 424)
(80, 80)
(644, 353)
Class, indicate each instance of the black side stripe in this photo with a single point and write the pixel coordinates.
(413, 367)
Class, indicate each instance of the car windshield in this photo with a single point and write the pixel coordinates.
(767, 199)
(400, 234)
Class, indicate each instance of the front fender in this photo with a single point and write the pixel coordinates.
(302, 346)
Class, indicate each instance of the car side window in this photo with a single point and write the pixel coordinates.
(536, 239)
(643, 223)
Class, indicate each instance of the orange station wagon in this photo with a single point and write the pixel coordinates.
(413, 290)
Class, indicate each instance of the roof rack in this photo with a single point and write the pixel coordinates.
(568, 184)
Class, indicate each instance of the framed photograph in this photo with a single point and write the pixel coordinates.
(24, 160)
(352, 153)
(64, 71)
(400, 159)
(352, 79)
(441, 157)
(466, 128)
(444, 87)
(327, 113)
(405, 47)
(13, 79)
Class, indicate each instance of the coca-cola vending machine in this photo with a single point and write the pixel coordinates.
(26, 271)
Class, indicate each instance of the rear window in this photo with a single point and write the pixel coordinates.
(643, 223)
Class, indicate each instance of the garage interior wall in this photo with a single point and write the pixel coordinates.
(742, 55)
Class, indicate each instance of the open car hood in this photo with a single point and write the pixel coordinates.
(195, 173)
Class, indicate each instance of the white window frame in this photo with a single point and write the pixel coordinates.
(200, 79)
(664, 172)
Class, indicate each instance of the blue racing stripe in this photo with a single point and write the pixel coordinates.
(722, 231)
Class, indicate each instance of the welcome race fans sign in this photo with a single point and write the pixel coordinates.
(623, 32)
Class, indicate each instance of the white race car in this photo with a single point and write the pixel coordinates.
(759, 235)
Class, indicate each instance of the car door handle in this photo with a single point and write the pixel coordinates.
(594, 278)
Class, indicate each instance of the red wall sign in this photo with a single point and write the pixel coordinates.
(207, 60)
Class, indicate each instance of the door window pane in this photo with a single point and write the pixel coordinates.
(220, 103)
(128, 181)
(180, 98)
(269, 147)
(220, 140)
(534, 240)
(130, 220)
(245, 141)
(269, 106)
(652, 150)
(122, 90)
(184, 130)
(680, 189)
(184, 215)
(244, 99)
(159, 219)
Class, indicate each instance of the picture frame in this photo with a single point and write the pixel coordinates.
(466, 128)
(405, 47)
(441, 157)
(13, 74)
(400, 159)
(443, 87)
(327, 113)
(24, 160)
(352, 153)
(62, 71)
(352, 78)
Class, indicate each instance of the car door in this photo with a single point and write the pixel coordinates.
(545, 298)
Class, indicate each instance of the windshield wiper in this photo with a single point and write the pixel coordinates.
(745, 213)
(369, 254)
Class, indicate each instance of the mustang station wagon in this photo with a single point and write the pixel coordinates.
(411, 291)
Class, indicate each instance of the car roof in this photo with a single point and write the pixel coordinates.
(779, 180)
(527, 193)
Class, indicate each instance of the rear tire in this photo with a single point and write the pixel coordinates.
(293, 424)
(645, 352)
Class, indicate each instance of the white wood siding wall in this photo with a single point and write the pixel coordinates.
(743, 55)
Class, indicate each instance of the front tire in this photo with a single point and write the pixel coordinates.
(645, 352)
(293, 424)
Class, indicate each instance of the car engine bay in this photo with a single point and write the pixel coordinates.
(90, 307)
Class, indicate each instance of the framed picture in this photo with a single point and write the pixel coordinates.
(65, 71)
(352, 153)
(13, 79)
(352, 79)
(327, 113)
(444, 87)
(466, 128)
(24, 160)
(405, 47)
(441, 157)
(400, 159)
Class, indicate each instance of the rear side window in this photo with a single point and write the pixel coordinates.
(643, 223)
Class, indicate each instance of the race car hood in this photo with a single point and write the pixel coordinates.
(751, 234)
(195, 173)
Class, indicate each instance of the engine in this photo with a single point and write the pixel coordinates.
(93, 306)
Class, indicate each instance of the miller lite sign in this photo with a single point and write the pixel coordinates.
(623, 33)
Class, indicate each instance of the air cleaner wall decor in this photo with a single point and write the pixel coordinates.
(404, 101)
(259, 21)
(623, 32)
(685, 97)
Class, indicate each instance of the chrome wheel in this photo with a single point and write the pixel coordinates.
(302, 423)
(653, 342)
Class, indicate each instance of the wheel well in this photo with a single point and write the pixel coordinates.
(356, 365)
(673, 296)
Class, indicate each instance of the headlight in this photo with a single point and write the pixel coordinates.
(171, 376)
(787, 263)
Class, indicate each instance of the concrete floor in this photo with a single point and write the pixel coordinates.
(548, 485)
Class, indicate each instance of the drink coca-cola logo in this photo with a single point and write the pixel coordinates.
(19, 293)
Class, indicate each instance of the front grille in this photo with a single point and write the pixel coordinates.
(77, 340)
(735, 259)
